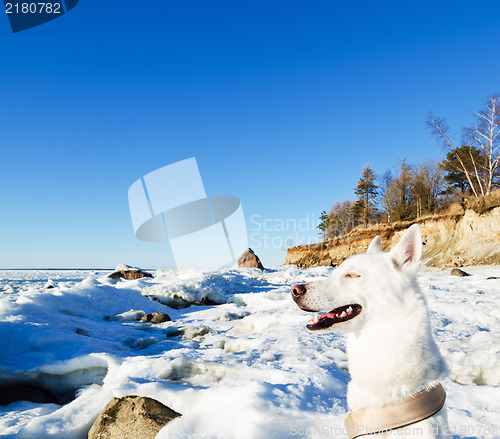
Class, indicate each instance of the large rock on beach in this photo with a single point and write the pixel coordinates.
(131, 417)
(127, 272)
(250, 260)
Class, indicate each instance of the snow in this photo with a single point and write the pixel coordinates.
(125, 267)
(244, 368)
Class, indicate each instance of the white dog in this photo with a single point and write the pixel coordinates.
(394, 363)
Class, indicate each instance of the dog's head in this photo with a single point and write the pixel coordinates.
(371, 285)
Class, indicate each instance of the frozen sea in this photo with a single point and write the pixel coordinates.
(245, 368)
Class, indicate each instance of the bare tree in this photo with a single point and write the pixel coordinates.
(439, 128)
(384, 200)
(398, 198)
(341, 218)
(485, 135)
(427, 185)
(454, 176)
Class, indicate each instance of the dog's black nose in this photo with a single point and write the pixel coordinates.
(298, 290)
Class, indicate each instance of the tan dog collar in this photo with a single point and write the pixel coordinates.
(399, 414)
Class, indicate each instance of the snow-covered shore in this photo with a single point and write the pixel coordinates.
(245, 368)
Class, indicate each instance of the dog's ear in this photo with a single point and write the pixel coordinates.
(406, 254)
(375, 246)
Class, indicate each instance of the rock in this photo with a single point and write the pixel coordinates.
(140, 343)
(131, 417)
(492, 277)
(82, 331)
(172, 331)
(49, 285)
(25, 392)
(156, 317)
(116, 275)
(206, 301)
(127, 272)
(250, 260)
(458, 272)
(325, 263)
(197, 333)
(132, 315)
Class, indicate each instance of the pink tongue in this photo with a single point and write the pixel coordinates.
(328, 315)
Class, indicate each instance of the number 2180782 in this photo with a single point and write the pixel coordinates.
(32, 8)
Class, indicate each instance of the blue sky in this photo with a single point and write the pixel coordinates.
(281, 102)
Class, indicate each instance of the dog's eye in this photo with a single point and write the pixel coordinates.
(351, 275)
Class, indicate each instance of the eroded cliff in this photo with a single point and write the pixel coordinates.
(452, 240)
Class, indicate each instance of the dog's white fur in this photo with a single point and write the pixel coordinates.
(391, 352)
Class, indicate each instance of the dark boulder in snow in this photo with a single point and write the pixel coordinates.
(127, 272)
(156, 317)
(132, 417)
(458, 272)
(250, 260)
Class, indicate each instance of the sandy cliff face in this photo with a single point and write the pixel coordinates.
(468, 239)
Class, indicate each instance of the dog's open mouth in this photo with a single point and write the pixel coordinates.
(337, 315)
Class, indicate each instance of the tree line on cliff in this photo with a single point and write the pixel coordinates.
(469, 171)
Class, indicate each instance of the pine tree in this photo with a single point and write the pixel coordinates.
(366, 190)
(324, 219)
